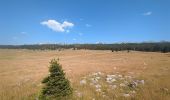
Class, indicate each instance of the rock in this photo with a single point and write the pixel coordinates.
(98, 86)
(113, 80)
(120, 76)
(79, 94)
(94, 80)
(142, 82)
(97, 74)
(133, 92)
(122, 85)
(133, 84)
(82, 82)
(126, 95)
(97, 78)
(110, 78)
(98, 90)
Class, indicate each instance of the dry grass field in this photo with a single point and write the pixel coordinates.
(21, 72)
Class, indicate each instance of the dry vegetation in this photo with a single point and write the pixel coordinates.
(21, 72)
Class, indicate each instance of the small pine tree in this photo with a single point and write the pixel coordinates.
(56, 85)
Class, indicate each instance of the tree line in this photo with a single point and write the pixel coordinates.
(148, 47)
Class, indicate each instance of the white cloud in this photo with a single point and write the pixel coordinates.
(147, 13)
(67, 31)
(24, 33)
(88, 25)
(67, 24)
(57, 26)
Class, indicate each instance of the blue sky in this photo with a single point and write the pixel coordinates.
(83, 21)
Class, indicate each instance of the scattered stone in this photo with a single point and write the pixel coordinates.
(110, 78)
(94, 80)
(133, 92)
(98, 86)
(133, 84)
(82, 82)
(79, 94)
(98, 90)
(119, 75)
(97, 78)
(142, 81)
(126, 95)
(122, 85)
(116, 81)
(113, 80)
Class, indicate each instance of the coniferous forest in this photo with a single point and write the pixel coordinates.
(147, 47)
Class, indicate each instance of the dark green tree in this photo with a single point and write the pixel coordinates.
(57, 86)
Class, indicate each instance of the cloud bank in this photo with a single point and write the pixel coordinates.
(57, 26)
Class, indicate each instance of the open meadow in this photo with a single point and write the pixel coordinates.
(94, 74)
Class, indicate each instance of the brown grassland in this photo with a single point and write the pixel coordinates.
(21, 72)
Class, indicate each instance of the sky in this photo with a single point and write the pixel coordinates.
(83, 21)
